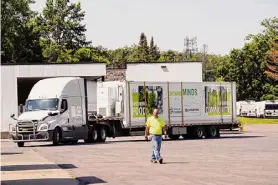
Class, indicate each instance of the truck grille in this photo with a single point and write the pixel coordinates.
(26, 127)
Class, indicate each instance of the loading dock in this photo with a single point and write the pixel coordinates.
(17, 81)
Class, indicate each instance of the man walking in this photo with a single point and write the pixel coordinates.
(155, 126)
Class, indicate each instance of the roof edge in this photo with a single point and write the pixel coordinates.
(164, 62)
(64, 63)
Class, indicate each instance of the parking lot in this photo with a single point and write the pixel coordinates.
(250, 158)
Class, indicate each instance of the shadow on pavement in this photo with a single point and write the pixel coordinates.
(176, 162)
(238, 137)
(11, 153)
(68, 144)
(89, 180)
(181, 139)
(36, 167)
(55, 181)
(234, 136)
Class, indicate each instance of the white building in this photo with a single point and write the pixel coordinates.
(17, 80)
(165, 72)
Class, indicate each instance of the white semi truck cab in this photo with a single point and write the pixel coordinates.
(56, 110)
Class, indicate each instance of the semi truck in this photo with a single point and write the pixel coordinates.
(68, 109)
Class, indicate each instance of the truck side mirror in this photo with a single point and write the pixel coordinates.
(52, 114)
(21, 108)
(12, 116)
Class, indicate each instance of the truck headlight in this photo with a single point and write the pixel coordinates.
(12, 129)
(43, 127)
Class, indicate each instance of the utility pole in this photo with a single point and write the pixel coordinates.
(204, 60)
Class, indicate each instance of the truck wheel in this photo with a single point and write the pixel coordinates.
(102, 135)
(56, 137)
(94, 135)
(90, 136)
(174, 137)
(199, 132)
(212, 132)
(20, 144)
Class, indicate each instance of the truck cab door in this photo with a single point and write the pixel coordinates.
(78, 124)
(65, 120)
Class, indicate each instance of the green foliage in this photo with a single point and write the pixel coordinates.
(257, 120)
(61, 30)
(143, 49)
(18, 43)
(154, 51)
(151, 102)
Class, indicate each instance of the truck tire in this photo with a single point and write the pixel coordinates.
(95, 135)
(90, 136)
(199, 132)
(56, 136)
(212, 132)
(102, 134)
(174, 137)
(20, 144)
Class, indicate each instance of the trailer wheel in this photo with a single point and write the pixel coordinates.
(199, 132)
(56, 136)
(212, 132)
(20, 144)
(174, 137)
(102, 134)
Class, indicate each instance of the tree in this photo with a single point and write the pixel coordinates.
(272, 63)
(154, 52)
(119, 57)
(62, 33)
(18, 43)
(143, 48)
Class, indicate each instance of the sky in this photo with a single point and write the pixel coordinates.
(221, 24)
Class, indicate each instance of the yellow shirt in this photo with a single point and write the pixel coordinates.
(156, 125)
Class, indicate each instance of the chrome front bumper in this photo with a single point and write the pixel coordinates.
(20, 135)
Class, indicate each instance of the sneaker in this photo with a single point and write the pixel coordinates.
(160, 161)
(153, 161)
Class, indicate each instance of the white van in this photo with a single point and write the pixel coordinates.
(267, 108)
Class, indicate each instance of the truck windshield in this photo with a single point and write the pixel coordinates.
(42, 104)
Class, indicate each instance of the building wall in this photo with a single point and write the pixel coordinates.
(10, 73)
(174, 72)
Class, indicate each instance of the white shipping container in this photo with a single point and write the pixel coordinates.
(179, 103)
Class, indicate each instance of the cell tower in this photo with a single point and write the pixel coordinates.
(190, 47)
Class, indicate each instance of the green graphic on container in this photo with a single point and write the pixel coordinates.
(217, 100)
(185, 92)
(154, 98)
